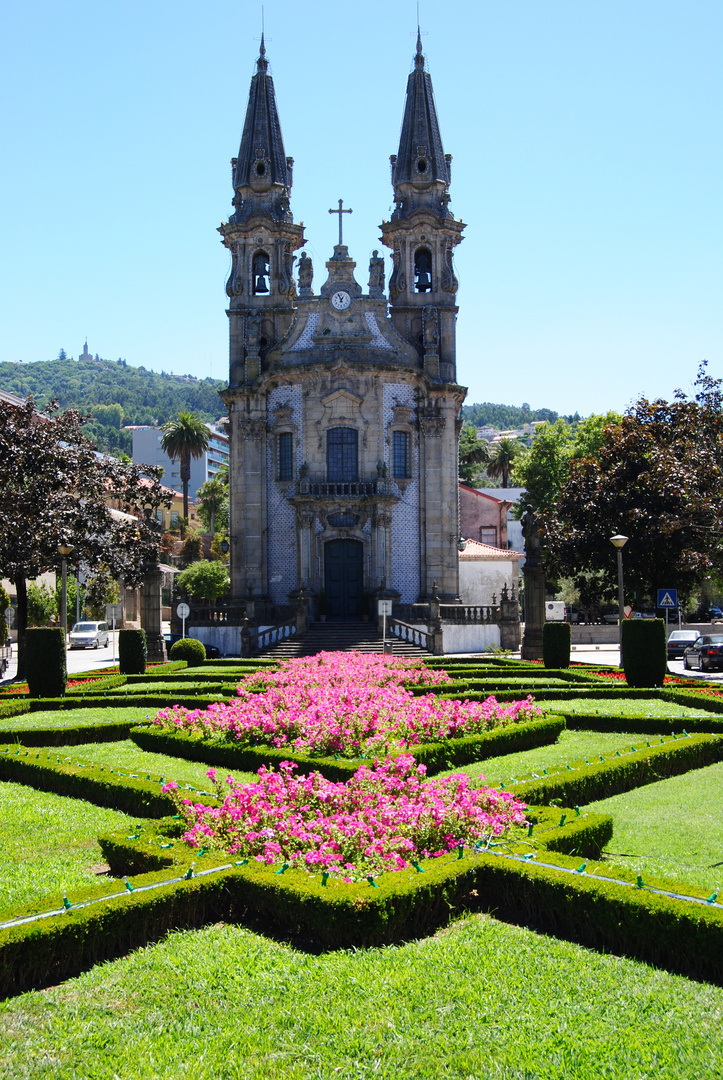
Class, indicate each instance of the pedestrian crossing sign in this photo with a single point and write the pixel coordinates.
(667, 598)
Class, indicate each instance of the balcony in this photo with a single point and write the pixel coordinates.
(342, 489)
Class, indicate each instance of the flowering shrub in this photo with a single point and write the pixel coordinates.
(619, 676)
(346, 704)
(22, 688)
(384, 818)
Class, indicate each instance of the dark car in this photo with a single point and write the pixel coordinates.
(679, 641)
(706, 653)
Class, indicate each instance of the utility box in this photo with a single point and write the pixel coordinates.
(555, 611)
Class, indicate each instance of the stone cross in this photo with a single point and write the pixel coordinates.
(340, 212)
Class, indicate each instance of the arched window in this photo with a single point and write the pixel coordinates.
(260, 273)
(422, 270)
(342, 454)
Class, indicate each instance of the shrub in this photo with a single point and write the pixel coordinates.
(132, 652)
(190, 650)
(46, 662)
(644, 655)
(556, 645)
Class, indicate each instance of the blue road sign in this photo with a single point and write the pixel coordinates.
(668, 598)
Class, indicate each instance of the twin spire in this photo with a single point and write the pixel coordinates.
(263, 170)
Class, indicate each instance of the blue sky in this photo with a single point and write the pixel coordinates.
(586, 143)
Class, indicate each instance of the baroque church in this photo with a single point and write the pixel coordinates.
(343, 401)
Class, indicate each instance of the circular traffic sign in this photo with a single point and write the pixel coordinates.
(183, 611)
(9, 615)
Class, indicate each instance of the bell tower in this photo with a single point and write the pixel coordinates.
(422, 233)
(262, 237)
(261, 234)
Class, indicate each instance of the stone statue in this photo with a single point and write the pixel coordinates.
(306, 272)
(376, 273)
(531, 533)
(253, 332)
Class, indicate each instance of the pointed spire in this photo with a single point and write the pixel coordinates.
(262, 164)
(421, 159)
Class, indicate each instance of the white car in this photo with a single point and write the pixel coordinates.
(89, 635)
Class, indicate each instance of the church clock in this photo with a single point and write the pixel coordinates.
(340, 300)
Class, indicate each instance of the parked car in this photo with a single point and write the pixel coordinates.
(89, 635)
(679, 641)
(706, 653)
(715, 613)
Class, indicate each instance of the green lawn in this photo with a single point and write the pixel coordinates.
(64, 718)
(620, 706)
(48, 842)
(571, 747)
(478, 1000)
(129, 757)
(672, 829)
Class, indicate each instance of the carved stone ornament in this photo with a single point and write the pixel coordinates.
(234, 285)
(283, 416)
(448, 280)
(376, 274)
(306, 274)
(255, 430)
(253, 332)
(432, 425)
(431, 329)
(403, 415)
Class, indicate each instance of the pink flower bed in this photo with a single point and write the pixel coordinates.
(385, 818)
(346, 704)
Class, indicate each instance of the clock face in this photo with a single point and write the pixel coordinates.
(340, 300)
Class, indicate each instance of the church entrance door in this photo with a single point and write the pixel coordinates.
(343, 578)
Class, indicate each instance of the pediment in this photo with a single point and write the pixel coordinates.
(342, 404)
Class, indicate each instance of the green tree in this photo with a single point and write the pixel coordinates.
(4, 604)
(657, 479)
(501, 460)
(183, 439)
(42, 604)
(204, 580)
(473, 453)
(55, 488)
(212, 500)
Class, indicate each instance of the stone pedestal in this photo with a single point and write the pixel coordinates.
(151, 615)
(534, 612)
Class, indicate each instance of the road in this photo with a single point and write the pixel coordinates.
(77, 659)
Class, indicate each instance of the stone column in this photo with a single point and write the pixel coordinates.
(151, 614)
(534, 612)
(509, 620)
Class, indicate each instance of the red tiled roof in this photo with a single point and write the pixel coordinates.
(476, 550)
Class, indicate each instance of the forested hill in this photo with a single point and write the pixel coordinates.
(115, 393)
(504, 417)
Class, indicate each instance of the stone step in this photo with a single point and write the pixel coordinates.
(340, 637)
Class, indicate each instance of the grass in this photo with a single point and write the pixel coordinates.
(129, 757)
(48, 842)
(479, 1000)
(625, 707)
(67, 718)
(672, 829)
(572, 746)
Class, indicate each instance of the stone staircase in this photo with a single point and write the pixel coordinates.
(340, 637)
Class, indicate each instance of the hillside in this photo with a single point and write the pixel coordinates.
(114, 393)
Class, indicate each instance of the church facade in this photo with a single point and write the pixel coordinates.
(343, 403)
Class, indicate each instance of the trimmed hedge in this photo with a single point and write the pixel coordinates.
(132, 652)
(46, 662)
(684, 937)
(604, 779)
(113, 731)
(94, 783)
(556, 645)
(190, 650)
(18, 707)
(644, 656)
(436, 756)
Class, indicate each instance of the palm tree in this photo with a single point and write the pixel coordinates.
(184, 438)
(210, 498)
(502, 457)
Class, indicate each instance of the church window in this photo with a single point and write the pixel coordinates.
(286, 458)
(423, 270)
(260, 273)
(341, 454)
(400, 455)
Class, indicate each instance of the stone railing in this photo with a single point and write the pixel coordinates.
(217, 614)
(341, 489)
(469, 614)
(255, 640)
(405, 632)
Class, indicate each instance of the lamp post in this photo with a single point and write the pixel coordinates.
(619, 543)
(64, 550)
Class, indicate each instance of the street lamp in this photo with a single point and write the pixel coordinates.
(619, 542)
(64, 550)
